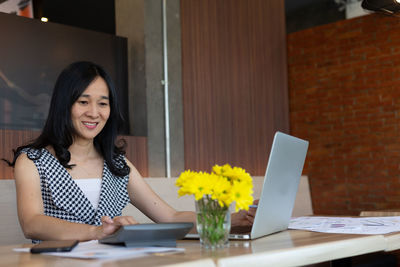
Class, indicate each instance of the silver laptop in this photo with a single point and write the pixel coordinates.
(281, 182)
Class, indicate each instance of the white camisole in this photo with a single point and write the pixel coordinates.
(91, 189)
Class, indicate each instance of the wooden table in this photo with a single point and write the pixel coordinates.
(392, 241)
(287, 248)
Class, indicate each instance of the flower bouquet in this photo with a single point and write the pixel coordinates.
(214, 193)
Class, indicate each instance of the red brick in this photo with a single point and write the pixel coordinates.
(345, 99)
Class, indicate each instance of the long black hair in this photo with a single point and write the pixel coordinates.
(58, 130)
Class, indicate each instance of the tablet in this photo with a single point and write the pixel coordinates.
(149, 235)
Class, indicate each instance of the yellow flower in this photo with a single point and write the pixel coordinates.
(221, 189)
(238, 174)
(184, 177)
(242, 195)
(225, 184)
(220, 170)
(185, 182)
(201, 185)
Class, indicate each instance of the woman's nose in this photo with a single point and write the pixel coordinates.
(92, 111)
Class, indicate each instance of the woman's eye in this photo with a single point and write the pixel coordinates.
(82, 102)
(103, 104)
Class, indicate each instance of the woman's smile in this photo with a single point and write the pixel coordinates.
(90, 125)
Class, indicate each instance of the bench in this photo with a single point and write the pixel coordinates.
(10, 231)
(167, 190)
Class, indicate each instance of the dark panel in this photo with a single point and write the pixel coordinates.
(302, 15)
(33, 54)
(136, 150)
(89, 14)
(234, 81)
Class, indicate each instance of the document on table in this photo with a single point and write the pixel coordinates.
(347, 225)
(95, 250)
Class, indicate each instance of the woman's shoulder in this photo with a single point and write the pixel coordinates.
(25, 159)
(36, 153)
(32, 152)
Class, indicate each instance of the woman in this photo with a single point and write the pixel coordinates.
(73, 181)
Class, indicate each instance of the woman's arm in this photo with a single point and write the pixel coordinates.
(148, 202)
(36, 225)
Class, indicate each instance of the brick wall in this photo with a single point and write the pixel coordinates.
(344, 89)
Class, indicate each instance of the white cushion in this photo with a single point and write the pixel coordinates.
(10, 230)
(166, 189)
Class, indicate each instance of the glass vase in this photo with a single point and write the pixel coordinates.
(213, 223)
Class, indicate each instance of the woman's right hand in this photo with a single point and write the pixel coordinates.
(109, 226)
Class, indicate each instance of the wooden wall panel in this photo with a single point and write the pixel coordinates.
(136, 150)
(234, 81)
(9, 140)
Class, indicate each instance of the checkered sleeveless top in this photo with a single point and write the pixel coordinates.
(63, 199)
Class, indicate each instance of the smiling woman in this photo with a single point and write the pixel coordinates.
(73, 181)
(77, 143)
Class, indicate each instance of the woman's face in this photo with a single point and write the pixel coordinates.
(91, 111)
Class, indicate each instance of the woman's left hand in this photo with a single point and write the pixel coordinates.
(242, 221)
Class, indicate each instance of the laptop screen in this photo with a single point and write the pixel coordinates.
(282, 177)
